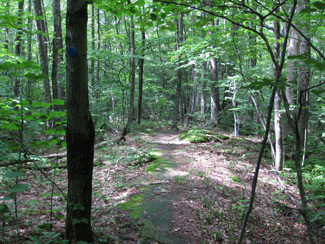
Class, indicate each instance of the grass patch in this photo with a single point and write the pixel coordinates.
(152, 167)
(133, 206)
(199, 136)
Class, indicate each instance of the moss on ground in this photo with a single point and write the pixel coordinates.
(199, 136)
(152, 167)
(133, 206)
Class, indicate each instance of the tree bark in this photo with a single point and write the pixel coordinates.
(277, 101)
(202, 91)
(98, 50)
(215, 102)
(29, 49)
(303, 85)
(179, 38)
(43, 48)
(292, 75)
(7, 32)
(57, 47)
(141, 63)
(16, 82)
(80, 128)
(92, 63)
(132, 75)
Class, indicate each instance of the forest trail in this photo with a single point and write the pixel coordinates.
(158, 207)
(197, 193)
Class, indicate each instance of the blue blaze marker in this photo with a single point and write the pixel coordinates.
(72, 52)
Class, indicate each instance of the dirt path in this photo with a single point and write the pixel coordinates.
(192, 194)
(198, 193)
(158, 208)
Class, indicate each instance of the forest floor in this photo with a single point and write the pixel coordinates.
(187, 193)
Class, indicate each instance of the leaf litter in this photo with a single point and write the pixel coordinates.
(209, 200)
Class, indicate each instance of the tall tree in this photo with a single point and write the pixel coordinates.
(202, 90)
(80, 128)
(18, 46)
(57, 47)
(277, 100)
(215, 102)
(43, 48)
(179, 26)
(304, 84)
(132, 75)
(29, 47)
(141, 64)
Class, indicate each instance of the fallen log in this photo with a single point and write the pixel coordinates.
(54, 155)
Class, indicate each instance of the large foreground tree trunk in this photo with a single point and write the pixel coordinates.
(80, 128)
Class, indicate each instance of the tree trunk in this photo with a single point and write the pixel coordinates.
(16, 82)
(7, 28)
(292, 76)
(179, 38)
(43, 48)
(57, 46)
(80, 128)
(29, 49)
(304, 82)
(92, 63)
(132, 75)
(98, 50)
(202, 91)
(141, 63)
(215, 102)
(277, 101)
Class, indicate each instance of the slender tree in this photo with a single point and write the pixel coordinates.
(179, 26)
(304, 84)
(277, 100)
(215, 102)
(57, 48)
(18, 46)
(141, 64)
(43, 48)
(132, 75)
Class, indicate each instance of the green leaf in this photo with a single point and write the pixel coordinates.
(12, 174)
(4, 208)
(37, 104)
(308, 10)
(234, 178)
(8, 197)
(319, 5)
(58, 102)
(300, 57)
(18, 188)
(78, 221)
(318, 92)
(30, 76)
(153, 16)
(140, 2)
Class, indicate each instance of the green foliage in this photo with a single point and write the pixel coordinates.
(133, 205)
(313, 174)
(152, 167)
(198, 136)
